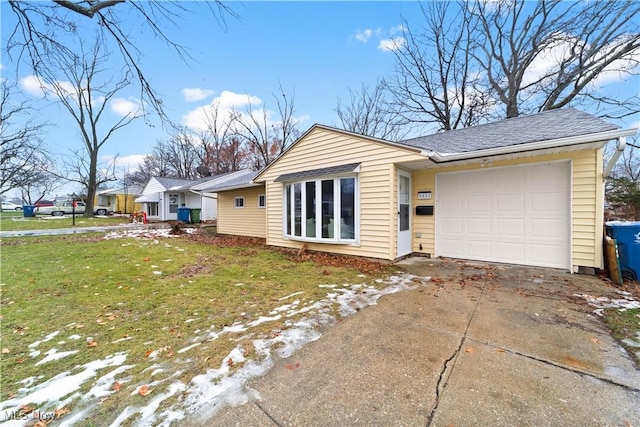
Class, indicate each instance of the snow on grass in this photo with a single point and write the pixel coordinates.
(49, 394)
(209, 391)
(625, 302)
(53, 354)
(146, 234)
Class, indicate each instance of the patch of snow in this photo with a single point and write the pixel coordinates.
(121, 340)
(53, 354)
(264, 319)
(289, 296)
(189, 347)
(601, 303)
(48, 394)
(74, 337)
(206, 393)
(49, 337)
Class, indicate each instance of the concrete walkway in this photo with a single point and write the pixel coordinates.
(79, 230)
(475, 345)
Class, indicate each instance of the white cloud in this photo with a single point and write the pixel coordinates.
(196, 94)
(363, 36)
(123, 107)
(394, 43)
(36, 87)
(130, 162)
(224, 103)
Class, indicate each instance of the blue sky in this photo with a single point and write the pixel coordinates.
(318, 50)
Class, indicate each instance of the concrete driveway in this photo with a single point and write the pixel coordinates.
(477, 344)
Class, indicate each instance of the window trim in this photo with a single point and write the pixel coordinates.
(337, 239)
(263, 198)
(236, 199)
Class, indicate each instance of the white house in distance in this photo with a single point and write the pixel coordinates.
(162, 197)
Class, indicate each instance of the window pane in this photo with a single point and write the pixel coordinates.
(403, 196)
(287, 203)
(328, 225)
(347, 208)
(310, 205)
(297, 209)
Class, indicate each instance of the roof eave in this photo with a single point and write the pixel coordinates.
(603, 137)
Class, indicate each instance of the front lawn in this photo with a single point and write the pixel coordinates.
(14, 221)
(99, 329)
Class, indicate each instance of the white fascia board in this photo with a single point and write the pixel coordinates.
(603, 137)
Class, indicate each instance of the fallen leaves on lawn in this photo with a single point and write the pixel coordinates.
(92, 343)
(292, 366)
(144, 390)
(116, 387)
(6, 351)
(60, 412)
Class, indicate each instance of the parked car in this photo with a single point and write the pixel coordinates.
(65, 208)
(43, 203)
(8, 206)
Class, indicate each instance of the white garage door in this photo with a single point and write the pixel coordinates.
(517, 215)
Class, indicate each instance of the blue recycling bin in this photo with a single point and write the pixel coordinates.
(28, 211)
(184, 214)
(627, 236)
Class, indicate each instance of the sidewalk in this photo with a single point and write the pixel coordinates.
(474, 346)
(78, 230)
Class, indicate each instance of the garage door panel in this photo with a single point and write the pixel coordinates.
(479, 204)
(452, 245)
(478, 183)
(508, 203)
(513, 252)
(515, 214)
(479, 226)
(477, 248)
(510, 227)
(545, 255)
(547, 228)
(549, 202)
(510, 180)
(452, 204)
(451, 226)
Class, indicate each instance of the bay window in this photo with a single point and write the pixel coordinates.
(322, 209)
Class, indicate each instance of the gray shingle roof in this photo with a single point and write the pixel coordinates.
(240, 178)
(178, 184)
(548, 125)
(318, 172)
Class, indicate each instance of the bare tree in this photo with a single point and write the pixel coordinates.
(435, 82)
(480, 60)
(77, 166)
(578, 41)
(85, 97)
(21, 146)
(265, 138)
(368, 112)
(180, 152)
(215, 138)
(46, 28)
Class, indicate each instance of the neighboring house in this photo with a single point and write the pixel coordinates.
(162, 197)
(527, 190)
(120, 200)
(240, 212)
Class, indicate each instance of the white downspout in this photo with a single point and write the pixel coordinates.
(620, 146)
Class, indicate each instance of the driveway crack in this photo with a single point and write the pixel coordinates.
(450, 363)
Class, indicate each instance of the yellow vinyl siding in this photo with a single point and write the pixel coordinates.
(587, 202)
(247, 221)
(377, 181)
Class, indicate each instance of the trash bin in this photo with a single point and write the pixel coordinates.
(183, 215)
(28, 211)
(627, 236)
(195, 215)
